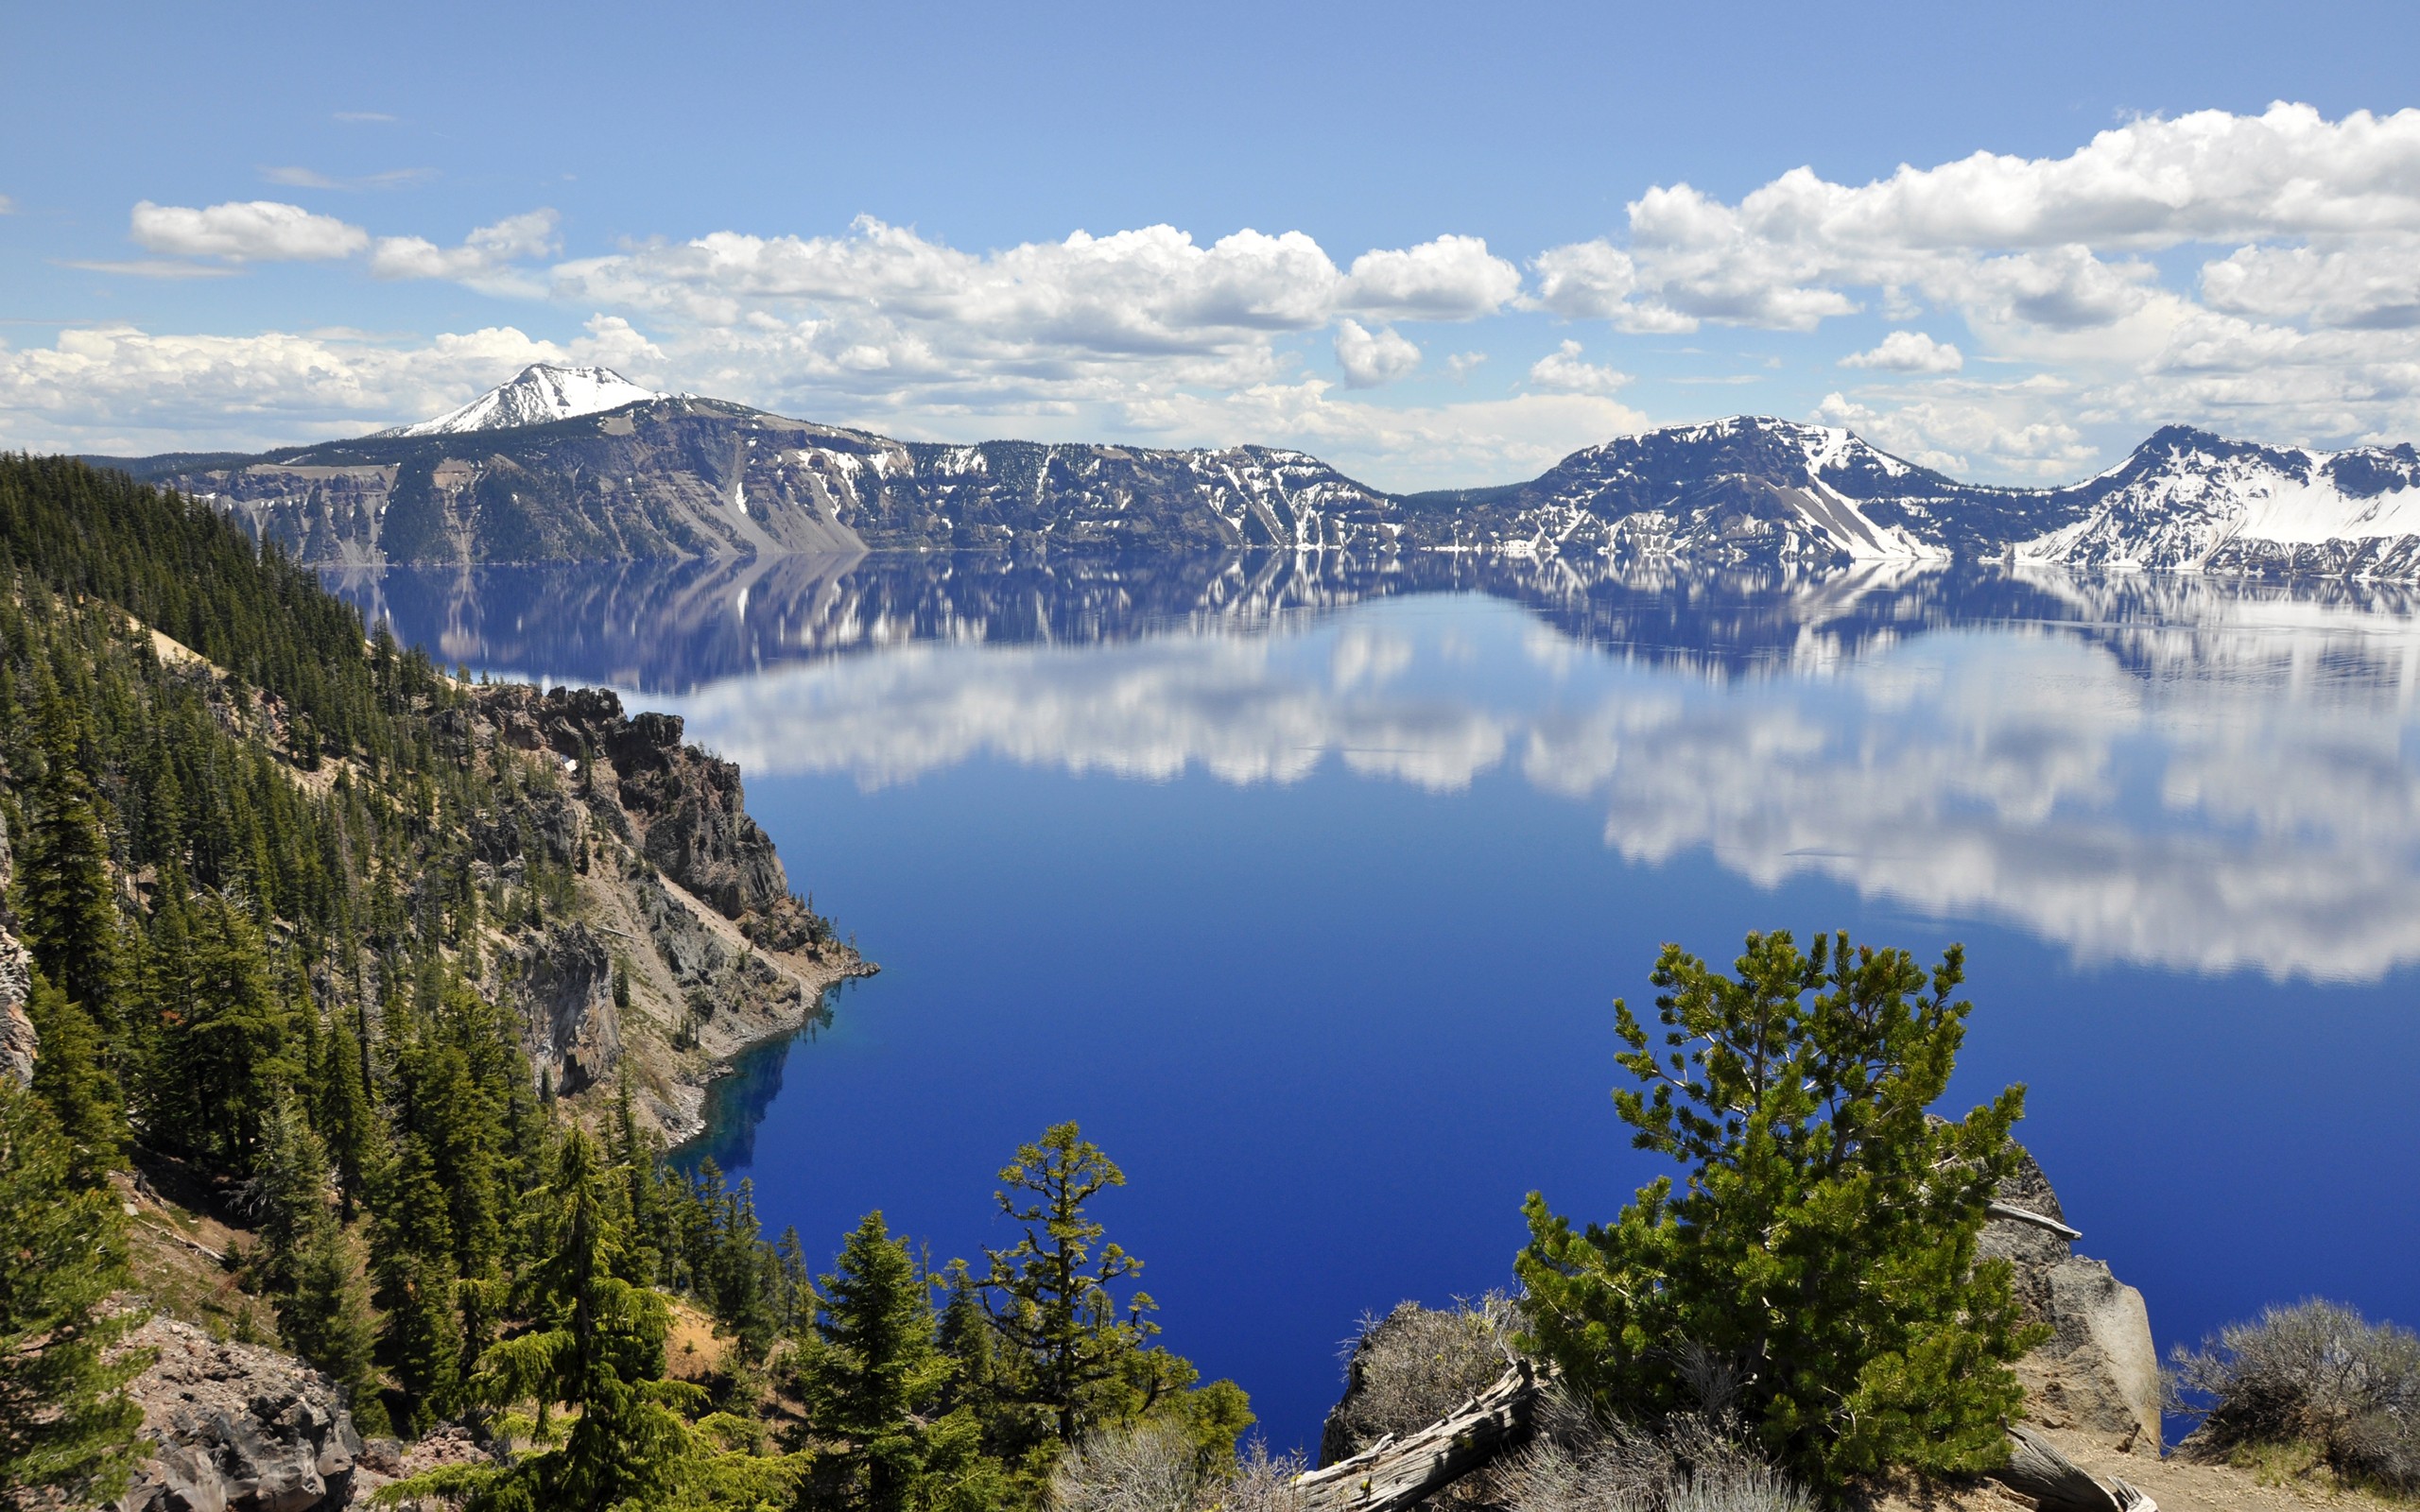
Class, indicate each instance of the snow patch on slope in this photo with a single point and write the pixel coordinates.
(2190, 504)
(540, 395)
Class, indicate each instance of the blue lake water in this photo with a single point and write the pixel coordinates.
(1306, 885)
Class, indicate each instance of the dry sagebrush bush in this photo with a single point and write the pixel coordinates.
(1412, 1367)
(2316, 1374)
(1155, 1468)
(1693, 1462)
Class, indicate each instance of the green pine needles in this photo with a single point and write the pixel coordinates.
(66, 1427)
(1814, 1270)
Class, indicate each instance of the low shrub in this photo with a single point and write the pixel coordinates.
(2316, 1374)
(1412, 1367)
(1692, 1462)
(1156, 1466)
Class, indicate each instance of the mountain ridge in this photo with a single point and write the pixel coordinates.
(510, 478)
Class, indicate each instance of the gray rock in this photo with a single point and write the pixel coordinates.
(2099, 1372)
(19, 1045)
(237, 1428)
(564, 988)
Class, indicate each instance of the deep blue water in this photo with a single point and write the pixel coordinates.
(1305, 890)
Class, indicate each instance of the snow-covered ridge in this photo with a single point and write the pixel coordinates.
(2187, 501)
(542, 392)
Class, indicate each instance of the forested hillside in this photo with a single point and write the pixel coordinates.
(398, 980)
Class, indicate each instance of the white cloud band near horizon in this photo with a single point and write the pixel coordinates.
(2260, 273)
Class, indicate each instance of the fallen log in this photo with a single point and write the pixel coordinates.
(2058, 1483)
(2002, 1210)
(1393, 1474)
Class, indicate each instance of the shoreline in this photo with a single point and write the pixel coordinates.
(728, 1039)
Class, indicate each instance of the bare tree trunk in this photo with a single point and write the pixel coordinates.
(2058, 1483)
(1391, 1474)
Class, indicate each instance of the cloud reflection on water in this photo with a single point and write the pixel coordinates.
(2229, 785)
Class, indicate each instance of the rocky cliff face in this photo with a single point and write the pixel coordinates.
(667, 476)
(690, 943)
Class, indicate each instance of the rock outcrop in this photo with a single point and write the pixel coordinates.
(2099, 1372)
(19, 1045)
(571, 1026)
(687, 944)
(237, 1428)
(682, 809)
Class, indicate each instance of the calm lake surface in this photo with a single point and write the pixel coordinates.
(1306, 886)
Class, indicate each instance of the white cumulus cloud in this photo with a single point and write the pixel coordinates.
(1370, 358)
(1566, 370)
(245, 231)
(482, 257)
(1908, 351)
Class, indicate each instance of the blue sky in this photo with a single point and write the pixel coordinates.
(1435, 245)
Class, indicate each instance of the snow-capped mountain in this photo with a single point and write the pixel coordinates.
(2190, 501)
(1739, 488)
(682, 476)
(540, 393)
(580, 464)
(1749, 489)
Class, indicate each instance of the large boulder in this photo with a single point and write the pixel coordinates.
(2099, 1372)
(237, 1428)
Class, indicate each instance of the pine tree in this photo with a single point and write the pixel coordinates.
(66, 897)
(872, 1366)
(1824, 1246)
(66, 1427)
(70, 1077)
(595, 1350)
(965, 1334)
(307, 1266)
(411, 1257)
(1055, 1305)
(325, 1318)
(345, 1114)
(228, 1058)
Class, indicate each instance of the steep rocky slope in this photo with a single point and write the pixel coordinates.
(682, 897)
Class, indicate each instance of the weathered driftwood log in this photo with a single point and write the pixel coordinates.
(2058, 1483)
(2002, 1210)
(1397, 1473)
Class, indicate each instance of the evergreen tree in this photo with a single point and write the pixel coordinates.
(308, 1268)
(345, 1113)
(66, 1427)
(225, 1056)
(66, 897)
(1824, 1246)
(966, 1335)
(411, 1258)
(595, 1350)
(325, 1318)
(873, 1366)
(1055, 1305)
(70, 1077)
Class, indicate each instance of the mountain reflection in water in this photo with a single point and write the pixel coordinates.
(2171, 771)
